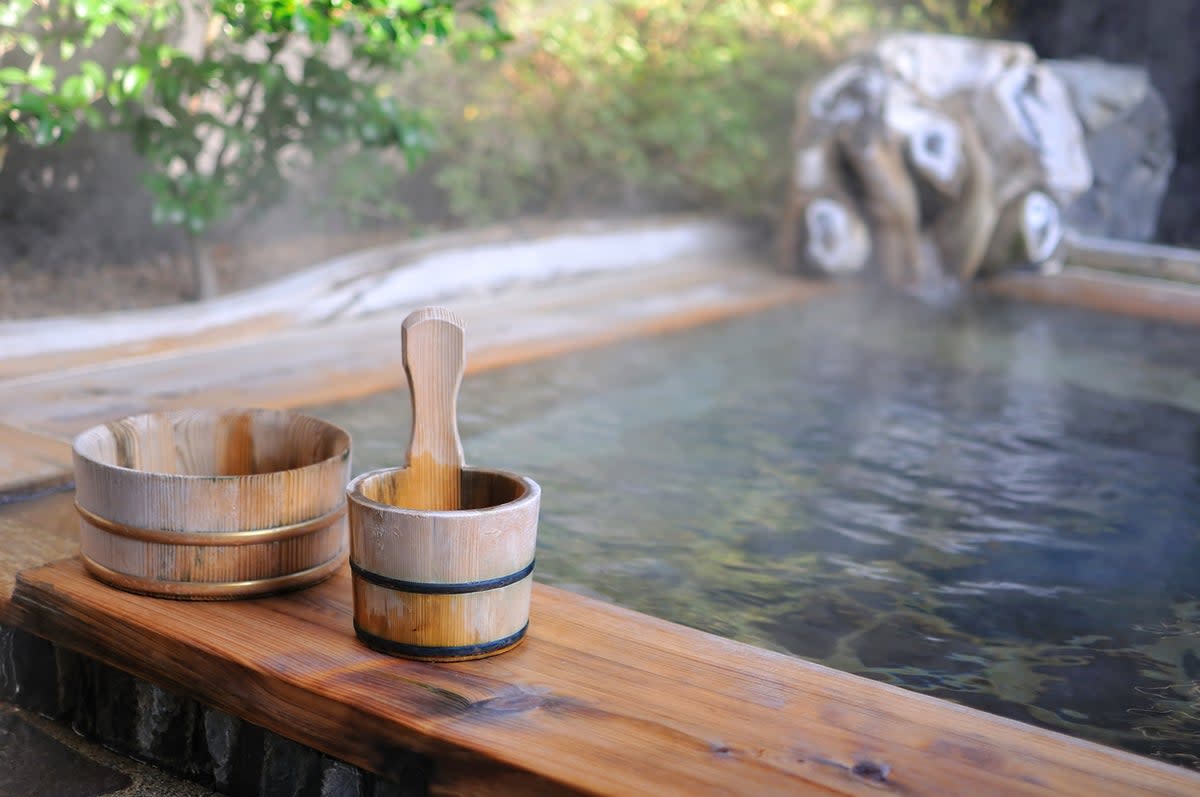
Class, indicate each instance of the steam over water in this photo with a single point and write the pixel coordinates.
(999, 505)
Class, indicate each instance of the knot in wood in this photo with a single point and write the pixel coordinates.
(871, 770)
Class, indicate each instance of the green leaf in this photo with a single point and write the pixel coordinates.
(32, 104)
(11, 76)
(11, 14)
(94, 72)
(134, 81)
(41, 77)
(76, 90)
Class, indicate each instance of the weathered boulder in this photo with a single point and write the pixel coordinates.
(1158, 35)
(932, 157)
(1127, 131)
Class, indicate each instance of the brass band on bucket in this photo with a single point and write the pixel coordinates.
(249, 537)
(215, 590)
(436, 588)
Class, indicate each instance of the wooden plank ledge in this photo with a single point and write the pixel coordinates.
(342, 360)
(599, 700)
(1104, 291)
(31, 463)
(34, 532)
(1134, 257)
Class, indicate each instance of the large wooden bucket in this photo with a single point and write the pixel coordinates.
(442, 585)
(201, 504)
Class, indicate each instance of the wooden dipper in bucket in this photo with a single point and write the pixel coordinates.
(434, 358)
(441, 554)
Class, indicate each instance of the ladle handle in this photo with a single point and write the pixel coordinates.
(434, 359)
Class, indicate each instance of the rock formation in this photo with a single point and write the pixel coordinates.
(936, 158)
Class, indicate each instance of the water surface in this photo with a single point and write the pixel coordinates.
(999, 504)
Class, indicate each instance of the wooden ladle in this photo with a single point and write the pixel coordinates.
(441, 556)
(434, 359)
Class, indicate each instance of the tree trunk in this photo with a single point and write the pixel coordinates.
(204, 275)
(889, 199)
(964, 228)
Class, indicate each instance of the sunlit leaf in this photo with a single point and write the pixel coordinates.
(134, 81)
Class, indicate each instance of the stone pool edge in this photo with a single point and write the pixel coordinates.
(550, 303)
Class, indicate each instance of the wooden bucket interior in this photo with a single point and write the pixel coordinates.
(479, 489)
(240, 443)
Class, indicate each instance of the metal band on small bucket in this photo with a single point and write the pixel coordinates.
(438, 652)
(248, 537)
(428, 588)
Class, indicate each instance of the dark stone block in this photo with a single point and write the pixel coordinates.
(221, 734)
(169, 732)
(32, 763)
(139, 719)
(8, 665)
(70, 678)
(107, 707)
(246, 766)
(289, 769)
(339, 779)
(413, 781)
(28, 672)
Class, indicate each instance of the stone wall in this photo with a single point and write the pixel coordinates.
(1160, 35)
(193, 741)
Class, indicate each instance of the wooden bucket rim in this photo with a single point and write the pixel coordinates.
(532, 492)
(343, 445)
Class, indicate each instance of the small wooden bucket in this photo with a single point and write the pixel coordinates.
(209, 505)
(442, 585)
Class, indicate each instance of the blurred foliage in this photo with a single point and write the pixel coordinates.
(637, 104)
(223, 97)
(633, 104)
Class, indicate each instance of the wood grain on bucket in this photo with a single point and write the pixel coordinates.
(212, 504)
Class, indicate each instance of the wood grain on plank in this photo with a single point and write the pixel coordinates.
(599, 700)
(30, 462)
(32, 533)
(1135, 257)
(1106, 292)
